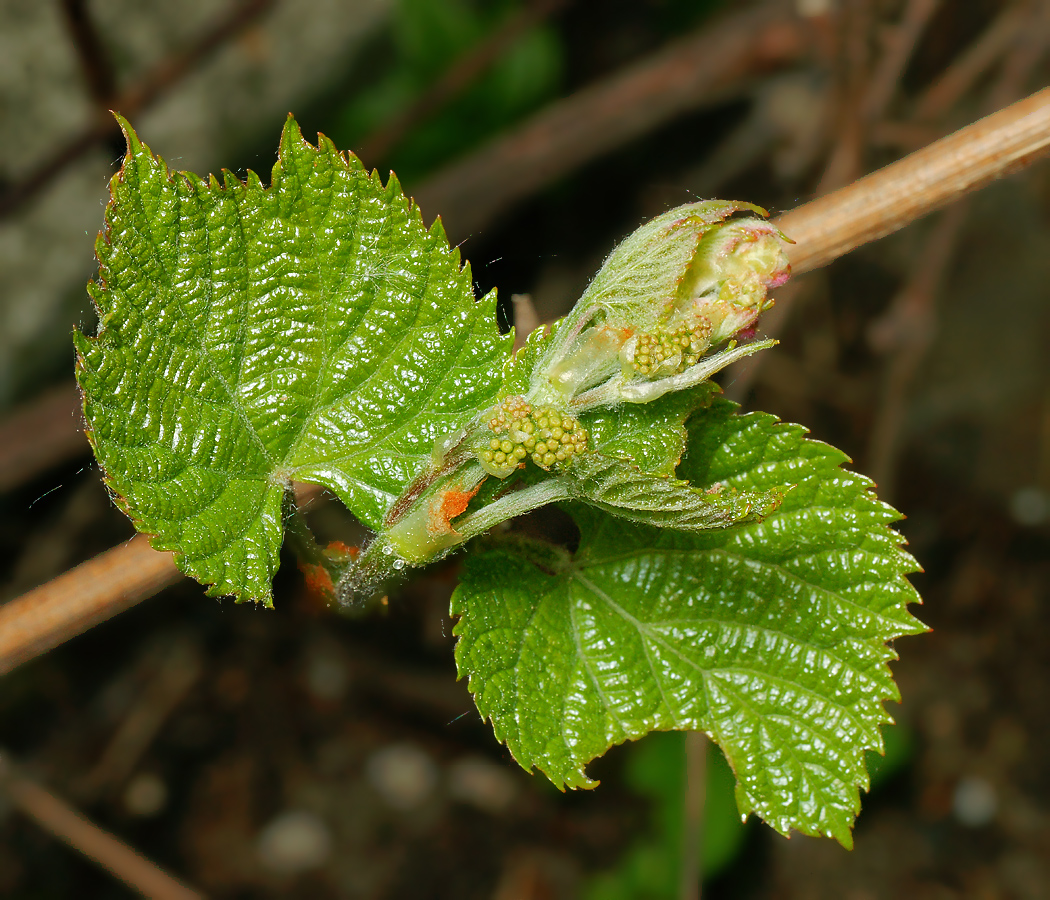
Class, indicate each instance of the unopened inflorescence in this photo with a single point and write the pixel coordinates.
(520, 431)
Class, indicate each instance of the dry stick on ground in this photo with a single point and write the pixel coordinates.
(873, 207)
(64, 822)
(620, 108)
(461, 74)
(145, 90)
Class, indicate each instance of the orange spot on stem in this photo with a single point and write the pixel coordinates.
(451, 503)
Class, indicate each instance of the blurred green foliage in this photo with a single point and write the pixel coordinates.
(427, 37)
(655, 769)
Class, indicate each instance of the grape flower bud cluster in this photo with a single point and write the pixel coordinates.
(520, 431)
(657, 314)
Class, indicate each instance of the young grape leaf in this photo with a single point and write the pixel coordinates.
(619, 488)
(770, 636)
(314, 331)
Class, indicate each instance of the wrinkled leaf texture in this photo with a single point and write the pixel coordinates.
(314, 330)
(770, 636)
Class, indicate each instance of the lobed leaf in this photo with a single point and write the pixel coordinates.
(771, 636)
(249, 336)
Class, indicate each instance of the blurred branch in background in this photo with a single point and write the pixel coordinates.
(145, 90)
(173, 675)
(959, 78)
(904, 334)
(64, 822)
(683, 76)
(95, 63)
(457, 78)
(40, 434)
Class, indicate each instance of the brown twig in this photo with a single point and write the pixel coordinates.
(461, 74)
(684, 75)
(887, 200)
(136, 98)
(67, 824)
(84, 596)
(689, 884)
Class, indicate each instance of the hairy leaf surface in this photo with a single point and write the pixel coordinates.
(249, 336)
(770, 636)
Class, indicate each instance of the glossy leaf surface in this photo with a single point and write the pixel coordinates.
(249, 336)
(770, 636)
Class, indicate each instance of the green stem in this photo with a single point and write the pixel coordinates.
(516, 503)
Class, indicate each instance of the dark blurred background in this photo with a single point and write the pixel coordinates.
(293, 753)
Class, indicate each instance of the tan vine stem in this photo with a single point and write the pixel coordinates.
(887, 200)
(824, 229)
(88, 594)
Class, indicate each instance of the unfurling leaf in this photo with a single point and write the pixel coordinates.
(619, 488)
(770, 636)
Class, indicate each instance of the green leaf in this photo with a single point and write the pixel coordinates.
(621, 489)
(649, 435)
(770, 636)
(314, 330)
